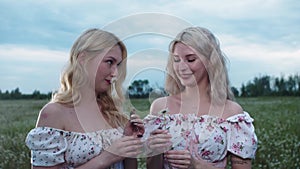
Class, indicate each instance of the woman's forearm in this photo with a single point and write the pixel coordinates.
(201, 164)
(155, 162)
(130, 163)
(239, 163)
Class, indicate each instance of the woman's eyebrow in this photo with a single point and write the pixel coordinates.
(189, 55)
(111, 57)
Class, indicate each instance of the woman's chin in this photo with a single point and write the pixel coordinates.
(189, 83)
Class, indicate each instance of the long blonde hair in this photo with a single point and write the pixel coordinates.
(205, 43)
(75, 76)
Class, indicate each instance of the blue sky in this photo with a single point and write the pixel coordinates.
(259, 37)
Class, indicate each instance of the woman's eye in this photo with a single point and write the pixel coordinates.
(110, 62)
(176, 60)
(191, 60)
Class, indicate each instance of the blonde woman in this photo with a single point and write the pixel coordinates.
(83, 125)
(206, 125)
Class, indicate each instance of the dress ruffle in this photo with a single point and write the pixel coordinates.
(51, 146)
(46, 151)
(207, 137)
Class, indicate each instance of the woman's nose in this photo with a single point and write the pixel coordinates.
(182, 65)
(114, 71)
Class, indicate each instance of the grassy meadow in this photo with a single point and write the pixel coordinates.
(277, 121)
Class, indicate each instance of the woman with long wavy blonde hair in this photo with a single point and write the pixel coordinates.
(75, 75)
(200, 117)
(83, 126)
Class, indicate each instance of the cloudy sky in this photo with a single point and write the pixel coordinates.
(259, 37)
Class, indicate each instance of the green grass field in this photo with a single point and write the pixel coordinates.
(277, 122)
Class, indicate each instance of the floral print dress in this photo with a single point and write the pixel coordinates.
(206, 137)
(51, 146)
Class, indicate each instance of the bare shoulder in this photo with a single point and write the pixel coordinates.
(51, 115)
(157, 105)
(232, 108)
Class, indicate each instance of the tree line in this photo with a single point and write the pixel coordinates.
(16, 94)
(271, 86)
(260, 86)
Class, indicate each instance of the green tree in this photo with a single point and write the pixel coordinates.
(16, 94)
(235, 91)
(139, 89)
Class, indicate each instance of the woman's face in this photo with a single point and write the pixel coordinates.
(188, 65)
(106, 68)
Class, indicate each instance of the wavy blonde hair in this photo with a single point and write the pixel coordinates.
(205, 43)
(90, 43)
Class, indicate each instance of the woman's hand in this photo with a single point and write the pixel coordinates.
(127, 146)
(179, 158)
(159, 141)
(135, 126)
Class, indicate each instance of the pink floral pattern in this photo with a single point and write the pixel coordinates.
(206, 137)
(50, 146)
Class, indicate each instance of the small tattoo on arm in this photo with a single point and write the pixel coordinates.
(239, 162)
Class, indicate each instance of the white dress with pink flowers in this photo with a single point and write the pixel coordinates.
(206, 137)
(51, 146)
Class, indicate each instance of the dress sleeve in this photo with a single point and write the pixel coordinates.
(47, 146)
(242, 140)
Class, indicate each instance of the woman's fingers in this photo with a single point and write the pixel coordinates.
(159, 141)
(127, 146)
(137, 121)
(134, 117)
(159, 144)
(179, 158)
(159, 131)
(178, 154)
(179, 162)
(131, 141)
(132, 146)
(179, 166)
(159, 137)
(135, 126)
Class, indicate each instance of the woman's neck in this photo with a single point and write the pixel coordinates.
(198, 91)
(194, 99)
(89, 113)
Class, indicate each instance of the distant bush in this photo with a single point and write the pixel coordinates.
(16, 94)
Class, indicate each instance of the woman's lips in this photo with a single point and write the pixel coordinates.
(184, 76)
(108, 81)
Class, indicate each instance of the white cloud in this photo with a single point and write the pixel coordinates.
(262, 32)
(233, 9)
(157, 23)
(269, 53)
(146, 63)
(31, 54)
(30, 68)
(250, 59)
(227, 9)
